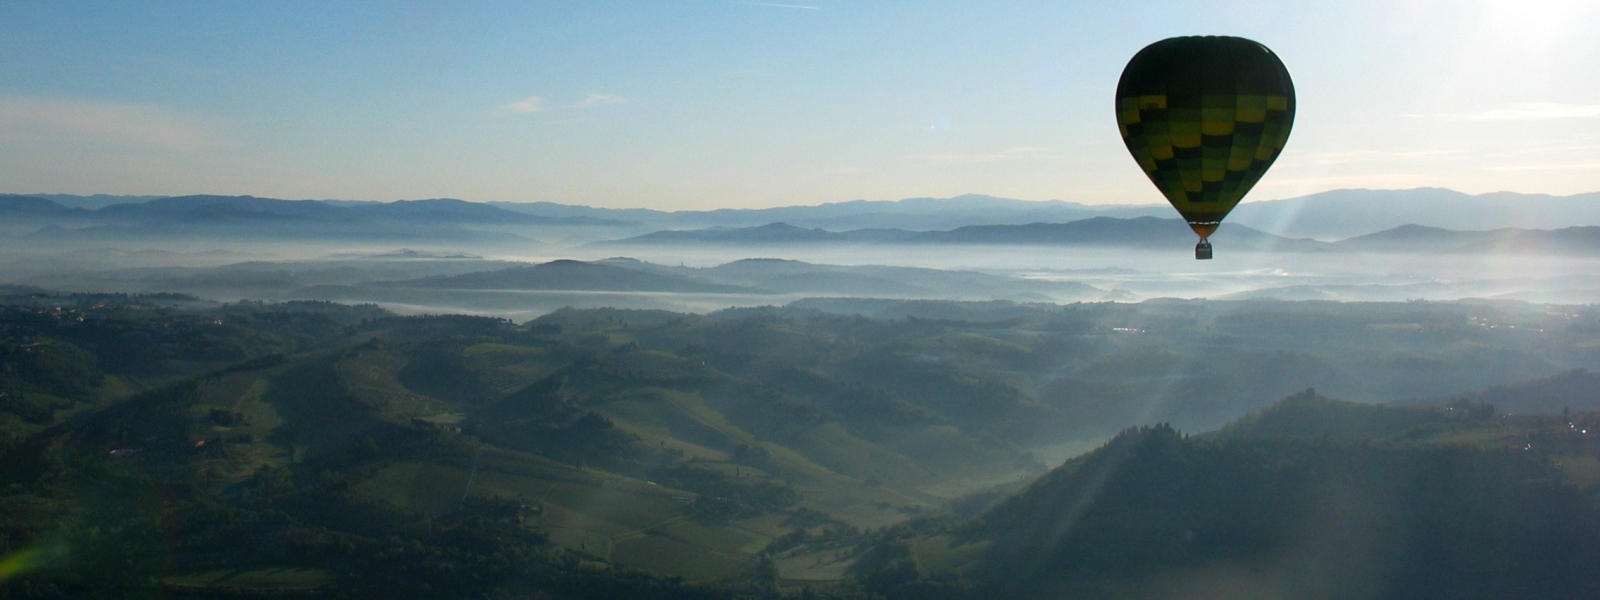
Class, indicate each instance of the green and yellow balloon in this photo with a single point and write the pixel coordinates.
(1205, 116)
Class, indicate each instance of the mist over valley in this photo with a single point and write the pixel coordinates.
(964, 248)
(925, 398)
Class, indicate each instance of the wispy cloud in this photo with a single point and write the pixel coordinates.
(56, 120)
(1014, 153)
(1363, 156)
(774, 5)
(1526, 111)
(599, 99)
(1580, 165)
(1299, 185)
(533, 104)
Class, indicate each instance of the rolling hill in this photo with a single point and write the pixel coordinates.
(1096, 231)
(13, 205)
(456, 456)
(1108, 231)
(1311, 497)
(1568, 391)
(772, 233)
(1578, 241)
(570, 275)
(1155, 514)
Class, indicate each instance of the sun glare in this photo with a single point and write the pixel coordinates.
(1532, 24)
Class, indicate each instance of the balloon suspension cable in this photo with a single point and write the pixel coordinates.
(1202, 250)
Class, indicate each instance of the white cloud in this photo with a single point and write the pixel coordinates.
(533, 104)
(56, 120)
(1526, 111)
(599, 99)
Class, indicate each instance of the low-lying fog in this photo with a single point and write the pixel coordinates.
(1233, 273)
(227, 271)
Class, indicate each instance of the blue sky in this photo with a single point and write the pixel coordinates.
(702, 104)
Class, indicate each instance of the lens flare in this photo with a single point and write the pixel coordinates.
(31, 558)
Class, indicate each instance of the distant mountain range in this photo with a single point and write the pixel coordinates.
(1147, 232)
(1342, 214)
(1441, 220)
(248, 217)
(918, 214)
(1417, 238)
(245, 208)
(1332, 215)
(94, 202)
(1108, 231)
(24, 206)
(1095, 231)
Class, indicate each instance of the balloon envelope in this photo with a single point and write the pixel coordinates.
(1205, 117)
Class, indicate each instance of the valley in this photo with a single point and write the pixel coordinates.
(746, 447)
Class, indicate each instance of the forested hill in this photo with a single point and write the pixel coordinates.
(1157, 514)
(1309, 415)
(746, 450)
(1311, 498)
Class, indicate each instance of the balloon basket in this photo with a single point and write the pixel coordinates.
(1202, 250)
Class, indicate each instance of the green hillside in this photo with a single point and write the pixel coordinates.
(620, 453)
(1311, 498)
(570, 432)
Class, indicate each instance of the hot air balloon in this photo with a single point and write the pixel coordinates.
(1205, 116)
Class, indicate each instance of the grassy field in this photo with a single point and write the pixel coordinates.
(666, 555)
(822, 565)
(417, 486)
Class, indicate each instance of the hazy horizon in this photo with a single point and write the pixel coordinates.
(1151, 201)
